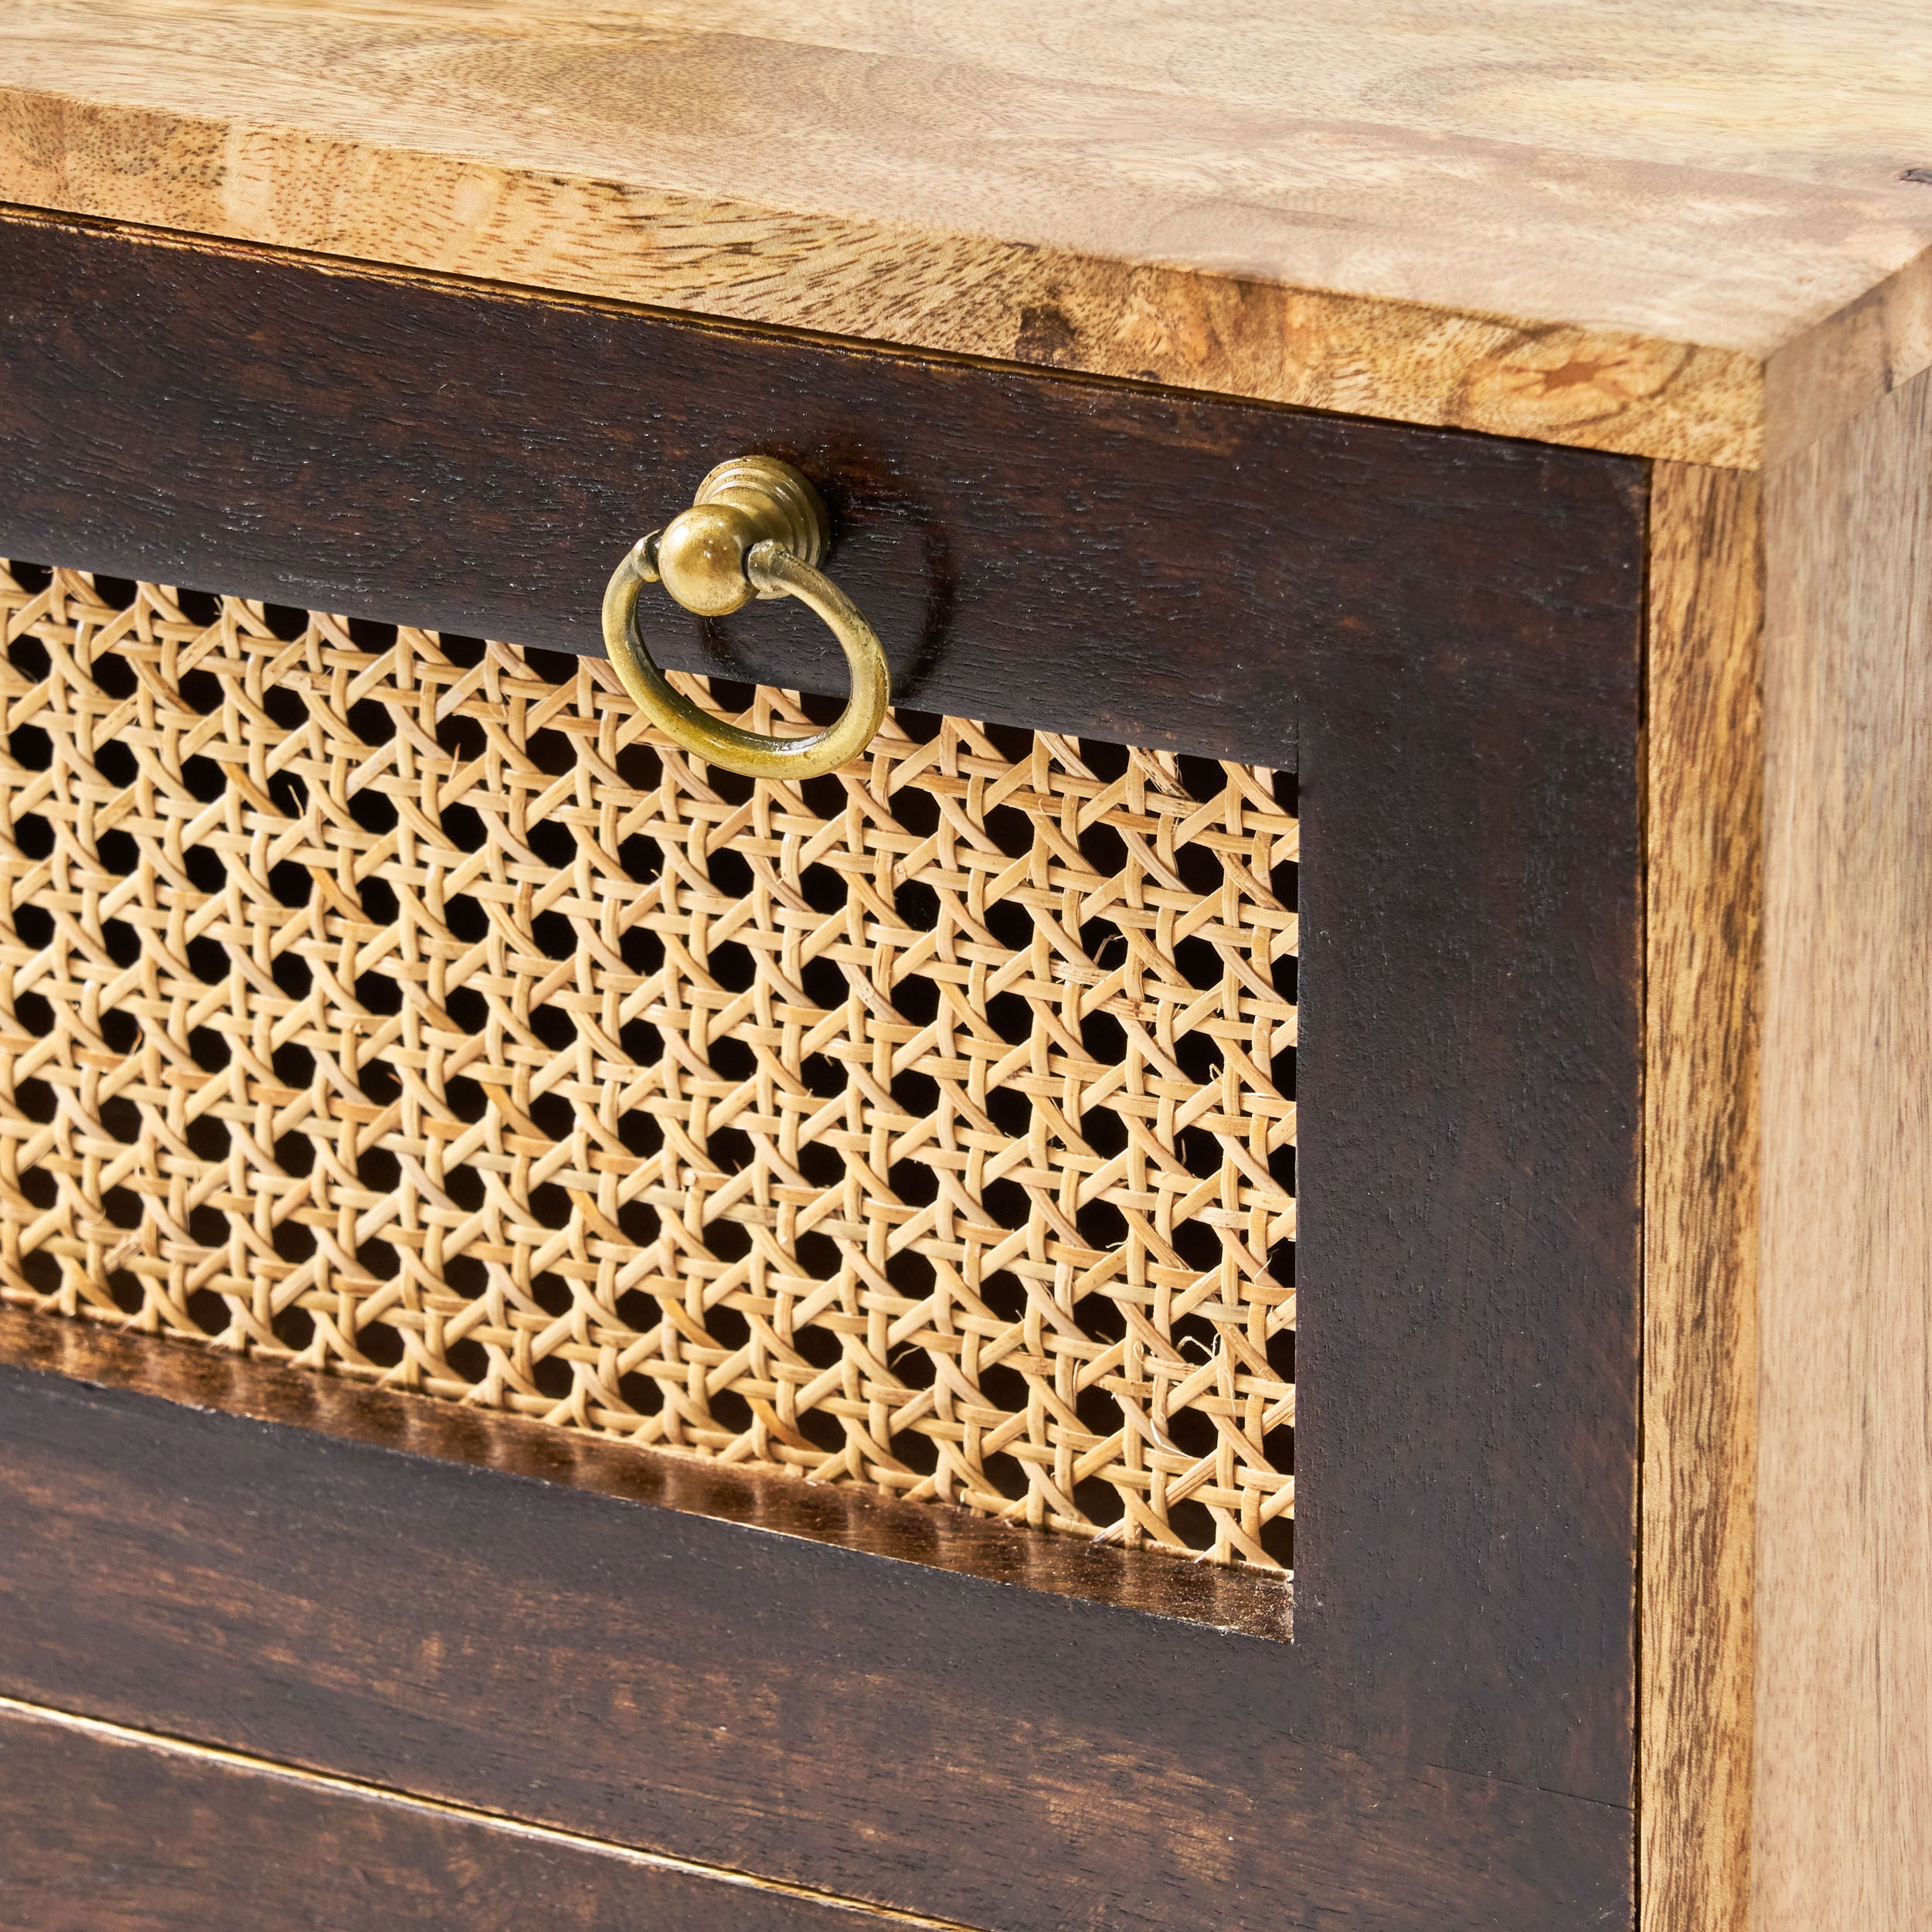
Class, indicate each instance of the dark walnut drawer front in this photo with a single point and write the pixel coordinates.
(1041, 1330)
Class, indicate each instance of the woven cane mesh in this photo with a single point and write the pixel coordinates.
(407, 1009)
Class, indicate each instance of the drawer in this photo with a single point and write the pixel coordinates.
(198, 1838)
(1232, 1231)
(1133, 1181)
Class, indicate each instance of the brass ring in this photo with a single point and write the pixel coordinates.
(742, 538)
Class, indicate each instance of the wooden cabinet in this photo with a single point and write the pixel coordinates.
(1248, 1277)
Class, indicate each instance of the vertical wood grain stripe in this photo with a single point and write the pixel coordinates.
(1842, 1829)
(1706, 810)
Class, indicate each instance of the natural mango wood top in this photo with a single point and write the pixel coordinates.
(1674, 227)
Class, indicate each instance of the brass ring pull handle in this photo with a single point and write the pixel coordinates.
(756, 529)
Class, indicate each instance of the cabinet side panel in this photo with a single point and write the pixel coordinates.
(1704, 917)
(1842, 1832)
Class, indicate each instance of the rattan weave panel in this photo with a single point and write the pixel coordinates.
(407, 1008)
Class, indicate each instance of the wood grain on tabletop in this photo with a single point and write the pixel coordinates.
(1843, 1777)
(1704, 892)
(103, 1829)
(1672, 230)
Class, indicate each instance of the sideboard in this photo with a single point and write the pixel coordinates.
(611, 1317)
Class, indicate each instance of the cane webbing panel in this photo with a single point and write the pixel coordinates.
(410, 1010)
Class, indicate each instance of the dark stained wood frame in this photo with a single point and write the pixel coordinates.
(1442, 633)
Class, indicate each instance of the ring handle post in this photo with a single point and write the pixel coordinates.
(757, 529)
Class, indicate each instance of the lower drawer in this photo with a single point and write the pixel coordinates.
(107, 1830)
